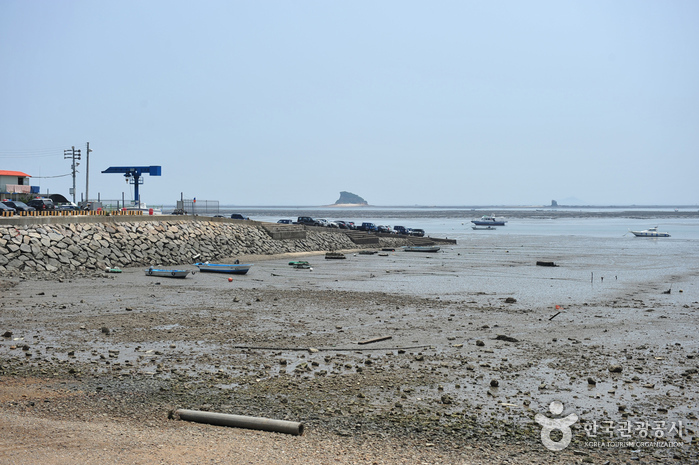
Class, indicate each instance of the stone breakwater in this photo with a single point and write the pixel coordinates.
(82, 244)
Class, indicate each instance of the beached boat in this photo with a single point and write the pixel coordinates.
(334, 256)
(491, 220)
(162, 273)
(233, 268)
(421, 248)
(301, 265)
(483, 228)
(650, 232)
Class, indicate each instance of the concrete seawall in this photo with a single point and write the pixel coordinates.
(52, 244)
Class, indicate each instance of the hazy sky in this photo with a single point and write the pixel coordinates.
(401, 102)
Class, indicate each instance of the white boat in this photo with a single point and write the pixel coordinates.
(162, 273)
(233, 268)
(650, 232)
(479, 228)
(421, 248)
(144, 209)
(489, 221)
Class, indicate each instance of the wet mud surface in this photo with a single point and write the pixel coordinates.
(477, 345)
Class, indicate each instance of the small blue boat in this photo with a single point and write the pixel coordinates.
(234, 268)
(166, 273)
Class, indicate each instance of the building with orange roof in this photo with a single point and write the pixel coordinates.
(16, 182)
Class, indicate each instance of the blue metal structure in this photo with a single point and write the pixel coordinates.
(133, 175)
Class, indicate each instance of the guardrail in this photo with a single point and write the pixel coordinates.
(75, 213)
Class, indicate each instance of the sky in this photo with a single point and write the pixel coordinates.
(401, 102)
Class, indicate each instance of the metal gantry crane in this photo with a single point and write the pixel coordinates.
(133, 175)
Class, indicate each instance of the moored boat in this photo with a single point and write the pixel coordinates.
(650, 232)
(491, 220)
(233, 268)
(162, 273)
(421, 248)
(301, 265)
(334, 256)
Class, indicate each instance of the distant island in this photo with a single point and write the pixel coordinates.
(348, 199)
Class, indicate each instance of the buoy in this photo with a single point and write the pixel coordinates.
(230, 280)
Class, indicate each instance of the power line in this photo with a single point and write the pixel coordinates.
(46, 177)
(27, 156)
(31, 153)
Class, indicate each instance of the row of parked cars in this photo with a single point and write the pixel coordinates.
(369, 227)
(15, 206)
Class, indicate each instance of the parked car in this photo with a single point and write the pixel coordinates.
(4, 209)
(367, 227)
(67, 207)
(18, 206)
(417, 232)
(341, 224)
(238, 216)
(351, 225)
(400, 230)
(42, 205)
(384, 229)
(284, 222)
(307, 220)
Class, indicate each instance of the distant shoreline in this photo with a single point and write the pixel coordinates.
(473, 207)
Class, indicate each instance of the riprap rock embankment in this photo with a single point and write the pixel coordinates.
(77, 244)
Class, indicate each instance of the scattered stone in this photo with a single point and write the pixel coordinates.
(591, 381)
(615, 368)
(105, 330)
(7, 334)
(510, 300)
(494, 383)
(480, 343)
(502, 337)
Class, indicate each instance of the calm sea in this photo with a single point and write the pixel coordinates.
(456, 223)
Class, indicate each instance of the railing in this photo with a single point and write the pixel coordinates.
(76, 213)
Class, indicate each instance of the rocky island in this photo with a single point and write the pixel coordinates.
(348, 199)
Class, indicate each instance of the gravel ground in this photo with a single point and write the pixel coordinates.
(96, 365)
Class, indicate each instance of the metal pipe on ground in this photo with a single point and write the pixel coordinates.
(241, 421)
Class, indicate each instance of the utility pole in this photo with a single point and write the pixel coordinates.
(74, 154)
(87, 174)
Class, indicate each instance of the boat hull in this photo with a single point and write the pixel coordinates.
(421, 249)
(488, 222)
(223, 268)
(491, 220)
(167, 273)
(649, 234)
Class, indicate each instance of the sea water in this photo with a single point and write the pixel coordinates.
(456, 223)
(597, 258)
